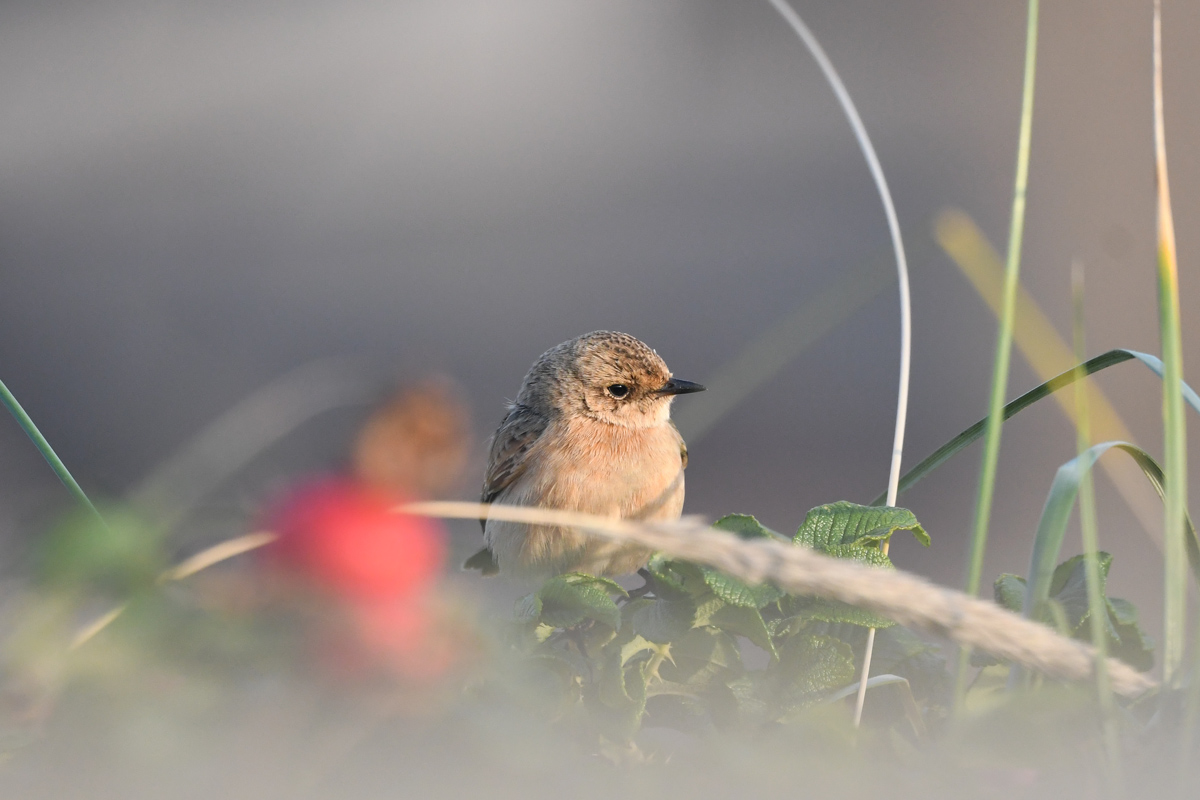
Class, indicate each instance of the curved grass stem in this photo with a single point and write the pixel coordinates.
(868, 150)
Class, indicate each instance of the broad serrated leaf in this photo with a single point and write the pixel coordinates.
(676, 578)
(617, 701)
(1071, 569)
(631, 648)
(1069, 589)
(746, 527)
(737, 592)
(1068, 597)
(663, 621)
(824, 610)
(848, 530)
(567, 601)
(810, 666)
(607, 584)
(700, 656)
(734, 590)
(742, 621)
(706, 606)
(1123, 612)
(1133, 647)
(901, 652)
(528, 608)
(1009, 591)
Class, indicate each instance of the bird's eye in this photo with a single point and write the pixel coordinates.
(618, 390)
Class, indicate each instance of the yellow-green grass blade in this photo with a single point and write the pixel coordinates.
(1089, 367)
(1174, 424)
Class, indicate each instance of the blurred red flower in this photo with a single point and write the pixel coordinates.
(345, 537)
(341, 537)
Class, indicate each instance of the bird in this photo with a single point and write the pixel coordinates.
(591, 431)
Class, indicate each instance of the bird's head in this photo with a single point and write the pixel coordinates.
(610, 377)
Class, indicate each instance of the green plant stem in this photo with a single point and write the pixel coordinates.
(1174, 426)
(1097, 607)
(991, 451)
(43, 446)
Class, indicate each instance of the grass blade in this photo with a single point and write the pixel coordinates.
(1097, 608)
(1174, 425)
(971, 434)
(43, 446)
(991, 450)
(1047, 545)
(1043, 348)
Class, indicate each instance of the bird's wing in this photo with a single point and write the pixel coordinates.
(683, 454)
(517, 433)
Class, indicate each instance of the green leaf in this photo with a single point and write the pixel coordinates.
(1134, 647)
(746, 527)
(1061, 500)
(1089, 367)
(568, 600)
(1068, 595)
(810, 666)
(528, 608)
(823, 610)
(608, 584)
(632, 647)
(742, 621)
(1009, 591)
(617, 700)
(733, 590)
(706, 606)
(1068, 587)
(663, 621)
(676, 578)
(847, 530)
(737, 592)
(901, 652)
(702, 655)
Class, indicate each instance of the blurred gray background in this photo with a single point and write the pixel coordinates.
(196, 199)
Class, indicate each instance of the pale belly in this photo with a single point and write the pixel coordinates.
(618, 473)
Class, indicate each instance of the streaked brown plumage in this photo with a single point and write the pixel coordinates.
(589, 431)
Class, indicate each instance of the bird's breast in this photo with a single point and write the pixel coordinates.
(608, 469)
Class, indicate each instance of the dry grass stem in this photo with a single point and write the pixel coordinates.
(908, 599)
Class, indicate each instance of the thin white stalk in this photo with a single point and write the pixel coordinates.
(889, 210)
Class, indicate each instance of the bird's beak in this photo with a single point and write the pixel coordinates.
(677, 386)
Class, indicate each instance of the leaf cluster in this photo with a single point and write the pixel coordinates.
(697, 649)
(1067, 611)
